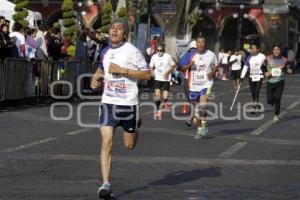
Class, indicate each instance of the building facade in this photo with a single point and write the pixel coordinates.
(228, 24)
(234, 24)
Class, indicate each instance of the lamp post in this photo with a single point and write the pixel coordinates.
(240, 15)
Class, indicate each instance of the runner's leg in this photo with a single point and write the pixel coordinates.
(277, 96)
(107, 133)
(130, 140)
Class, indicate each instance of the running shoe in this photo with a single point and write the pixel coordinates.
(276, 119)
(157, 115)
(204, 130)
(105, 192)
(166, 106)
(198, 134)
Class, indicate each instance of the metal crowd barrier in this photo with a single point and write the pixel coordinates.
(73, 69)
(1, 80)
(21, 78)
(27, 78)
(49, 69)
(15, 78)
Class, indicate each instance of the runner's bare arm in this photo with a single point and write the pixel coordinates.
(188, 66)
(139, 74)
(152, 71)
(211, 74)
(172, 68)
(97, 79)
(266, 73)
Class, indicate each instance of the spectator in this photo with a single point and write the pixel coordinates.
(31, 44)
(66, 44)
(81, 47)
(291, 58)
(5, 42)
(2, 20)
(153, 45)
(54, 44)
(42, 52)
(18, 39)
(224, 64)
(102, 42)
(7, 22)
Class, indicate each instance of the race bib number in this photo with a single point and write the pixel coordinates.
(200, 77)
(255, 78)
(116, 88)
(255, 74)
(276, 72)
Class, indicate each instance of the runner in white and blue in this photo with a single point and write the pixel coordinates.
(202, 67)
(121, 66)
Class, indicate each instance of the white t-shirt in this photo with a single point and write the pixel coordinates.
(203, 64)
(20, 40)
(224, 58)
(238, 62)
(161, 64)
(255, 63)
(120, 89)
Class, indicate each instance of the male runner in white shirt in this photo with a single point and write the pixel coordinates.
(236, 65)
(202, 68)
(122, 65)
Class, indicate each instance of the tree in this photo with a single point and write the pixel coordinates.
(122, 13)
(69, 19)
(106, 17)
(21, 12)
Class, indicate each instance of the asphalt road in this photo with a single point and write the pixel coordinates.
(242, 158)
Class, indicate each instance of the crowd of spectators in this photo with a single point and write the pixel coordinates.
(38, 42)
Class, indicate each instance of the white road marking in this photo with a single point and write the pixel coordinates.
(263, 140)
(79, 131)
(262, 128)
(231, 150)
(9, 150)
(156, 159)
(270, 123)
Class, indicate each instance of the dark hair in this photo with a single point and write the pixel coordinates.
(201, 37)
(276, 45)
(161, 46)
(82, 37)
(29, 31)
(18, 27)
(3, 25)
(254, 44)
(55, 30)
(1, 17)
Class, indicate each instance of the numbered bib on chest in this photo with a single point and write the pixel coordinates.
(255, 74)
(255, 78)
(199, 77)
(276, 71)
(116, 88)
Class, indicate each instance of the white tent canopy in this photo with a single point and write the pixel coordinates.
(7, 10)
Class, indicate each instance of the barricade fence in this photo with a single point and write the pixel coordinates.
(21, 78)
(73, 69)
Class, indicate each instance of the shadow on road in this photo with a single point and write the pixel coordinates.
(176, 178)
(230, 132)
